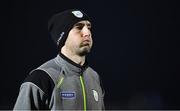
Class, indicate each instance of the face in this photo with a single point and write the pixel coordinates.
(79, 40)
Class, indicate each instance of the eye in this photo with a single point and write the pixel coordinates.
(79, 27)
(89, 27)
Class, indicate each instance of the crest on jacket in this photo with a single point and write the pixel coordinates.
(95, 95)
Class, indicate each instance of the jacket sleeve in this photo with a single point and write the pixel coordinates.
(30, 97)
(103, 93)
(102, 88)
(35, 92)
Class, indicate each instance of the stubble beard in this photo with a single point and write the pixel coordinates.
(84, 49)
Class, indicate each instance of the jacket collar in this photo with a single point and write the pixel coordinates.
(64, 61)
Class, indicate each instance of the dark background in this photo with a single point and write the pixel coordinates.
(136, 48)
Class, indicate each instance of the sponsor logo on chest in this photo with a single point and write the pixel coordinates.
(68, 94)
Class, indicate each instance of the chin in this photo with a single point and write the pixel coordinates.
(84, 51)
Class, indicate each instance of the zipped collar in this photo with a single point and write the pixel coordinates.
(63, 60)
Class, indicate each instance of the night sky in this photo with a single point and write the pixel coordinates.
(135, 52)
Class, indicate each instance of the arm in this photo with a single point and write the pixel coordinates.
(35, 92)
(103, 93)
(30, 97)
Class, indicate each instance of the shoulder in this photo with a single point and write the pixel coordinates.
(92, 72)
(42, 80)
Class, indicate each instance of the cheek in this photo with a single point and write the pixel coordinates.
(91, 41)
(73, 41)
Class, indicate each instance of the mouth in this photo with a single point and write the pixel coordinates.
(85, 43)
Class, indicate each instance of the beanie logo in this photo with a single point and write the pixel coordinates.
(61, 35)
(78, 14)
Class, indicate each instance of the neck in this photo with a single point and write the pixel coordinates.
(72, 56)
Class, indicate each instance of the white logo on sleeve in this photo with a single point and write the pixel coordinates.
(78, 14)
(95, 95)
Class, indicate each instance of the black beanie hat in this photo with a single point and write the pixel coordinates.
(61, 23)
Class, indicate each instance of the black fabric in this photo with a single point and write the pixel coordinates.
(43, 81)
(61, 23)
(83, 67)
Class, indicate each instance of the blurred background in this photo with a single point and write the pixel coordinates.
(136, 48)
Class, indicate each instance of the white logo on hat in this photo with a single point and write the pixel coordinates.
(95, 95)
(60, 37)
(78, 14)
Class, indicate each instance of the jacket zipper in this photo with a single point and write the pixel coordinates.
(84, 93)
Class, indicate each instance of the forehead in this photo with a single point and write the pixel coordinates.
(83, 22)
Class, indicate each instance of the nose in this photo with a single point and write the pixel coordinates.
(86, 31)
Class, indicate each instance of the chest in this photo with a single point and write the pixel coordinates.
(78, 92)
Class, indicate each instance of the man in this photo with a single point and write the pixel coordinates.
(65, 82)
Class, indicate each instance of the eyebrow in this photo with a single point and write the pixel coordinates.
(81, 24)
